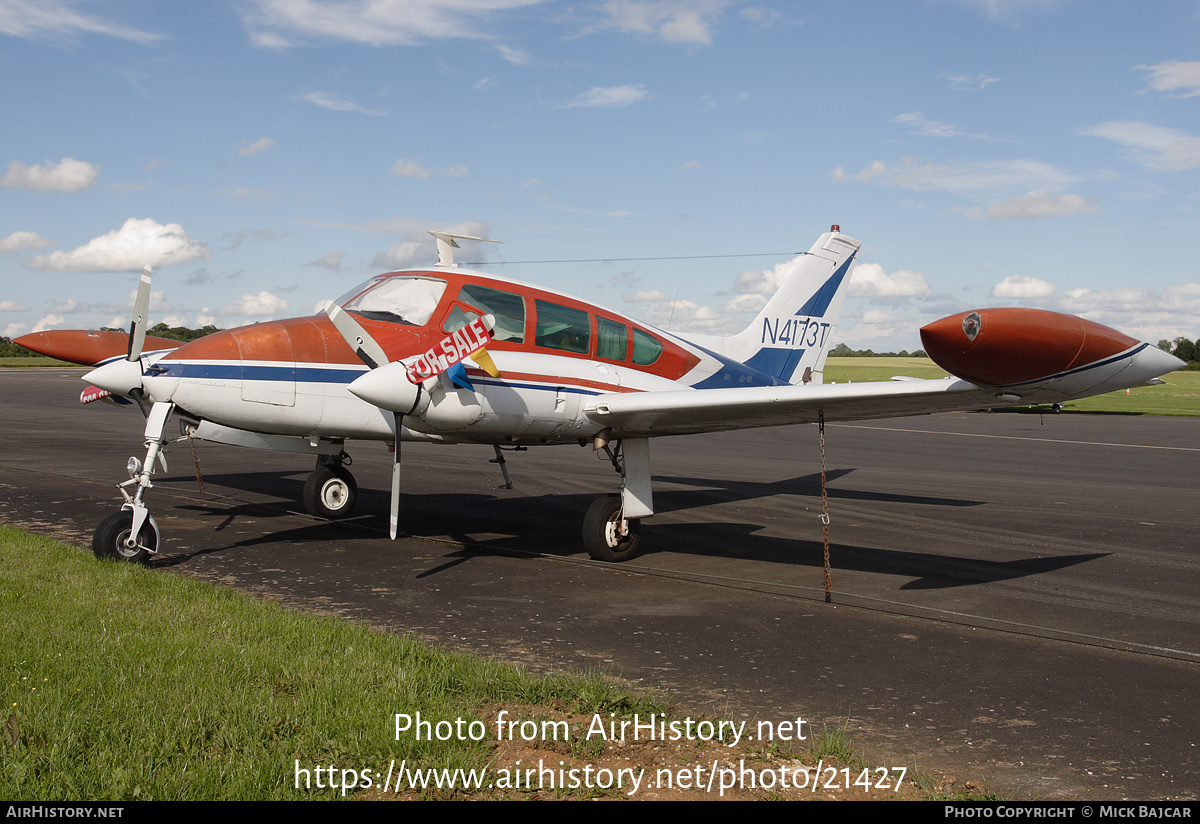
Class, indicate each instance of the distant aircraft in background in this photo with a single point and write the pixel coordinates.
(451, 355)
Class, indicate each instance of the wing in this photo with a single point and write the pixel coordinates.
(688, 411)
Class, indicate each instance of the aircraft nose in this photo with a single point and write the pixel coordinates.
(1003, 347)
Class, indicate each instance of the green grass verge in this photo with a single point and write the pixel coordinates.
(125, 683)
(1180, 395)
(34, 361)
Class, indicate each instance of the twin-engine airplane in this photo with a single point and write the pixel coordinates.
(450, 355)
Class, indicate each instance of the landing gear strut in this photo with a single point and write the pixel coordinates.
(612, 525)
(132, 534)
(330, 491)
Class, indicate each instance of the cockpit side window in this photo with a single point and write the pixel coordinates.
(612, 339)
(410, 301)
(508, 310)
(645, 348)
(564, 328)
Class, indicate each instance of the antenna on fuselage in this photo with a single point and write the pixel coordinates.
(446, 245)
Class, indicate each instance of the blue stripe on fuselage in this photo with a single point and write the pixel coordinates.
(316, 374)
(733, 374)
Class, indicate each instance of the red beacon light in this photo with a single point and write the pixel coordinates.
(835, 228)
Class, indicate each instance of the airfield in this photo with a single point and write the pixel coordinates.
(1016, 598)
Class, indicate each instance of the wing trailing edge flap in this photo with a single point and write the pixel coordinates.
(691, 411)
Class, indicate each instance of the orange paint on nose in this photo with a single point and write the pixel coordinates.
(87, 347)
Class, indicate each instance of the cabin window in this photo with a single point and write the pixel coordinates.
(561, 327)
(645, 348)
(612, 339)
(508, 310)
(410, 301)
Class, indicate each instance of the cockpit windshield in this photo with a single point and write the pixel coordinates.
(407, 300)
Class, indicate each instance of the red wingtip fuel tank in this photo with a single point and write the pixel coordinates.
(89, 348)
(1005, 347)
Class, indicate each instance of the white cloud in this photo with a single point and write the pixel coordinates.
(406, 255)
(684, 315)
(35, 19)
(331, 261)
(338, 104)
(1035, 205)
(683, 22)
(12, 306)
(70, 306)
(264, 304)
(260, 145)
(137, 243)
(1022, 286)
(1157, 147)
(420, 249)
(23, 240)
(514, 56)
(870, 280)
(920, 125)
(283, 23)
(1180, 76)
(607, 97)
(68, 175)
(962, 178)
(643, 297)
(1149, 314)
(406, 167)
(14, 330)
(968, 83)
(764, 18)
(48, 321)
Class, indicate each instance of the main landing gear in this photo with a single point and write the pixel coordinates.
(330, 491)
(613, 523)
(607, 535)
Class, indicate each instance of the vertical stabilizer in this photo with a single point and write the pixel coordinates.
(792, 335)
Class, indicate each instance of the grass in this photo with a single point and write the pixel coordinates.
(1180, 395)
(124, 683)
(33, 361)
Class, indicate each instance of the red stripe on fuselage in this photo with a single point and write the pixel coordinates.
(315, 340)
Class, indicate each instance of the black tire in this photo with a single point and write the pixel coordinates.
(601, 531)
(108, 541)
(330, 492)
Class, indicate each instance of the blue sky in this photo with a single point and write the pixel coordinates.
(264, 155)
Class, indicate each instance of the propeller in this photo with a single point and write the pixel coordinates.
(372, 354)
(397, 386)
(141, 307)
(124, 377)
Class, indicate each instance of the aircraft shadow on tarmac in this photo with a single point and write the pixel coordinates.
(521, 526)
(719, 491)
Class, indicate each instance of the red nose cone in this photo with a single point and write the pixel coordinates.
(86, 347)
(1002, 347)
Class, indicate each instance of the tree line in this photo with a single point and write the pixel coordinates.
(844, 351)
(1184, 349)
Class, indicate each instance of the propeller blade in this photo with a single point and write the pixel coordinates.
(141, 307)
(394, 514)
(359, 340)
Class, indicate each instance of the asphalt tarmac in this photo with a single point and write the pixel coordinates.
(1016, 599)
